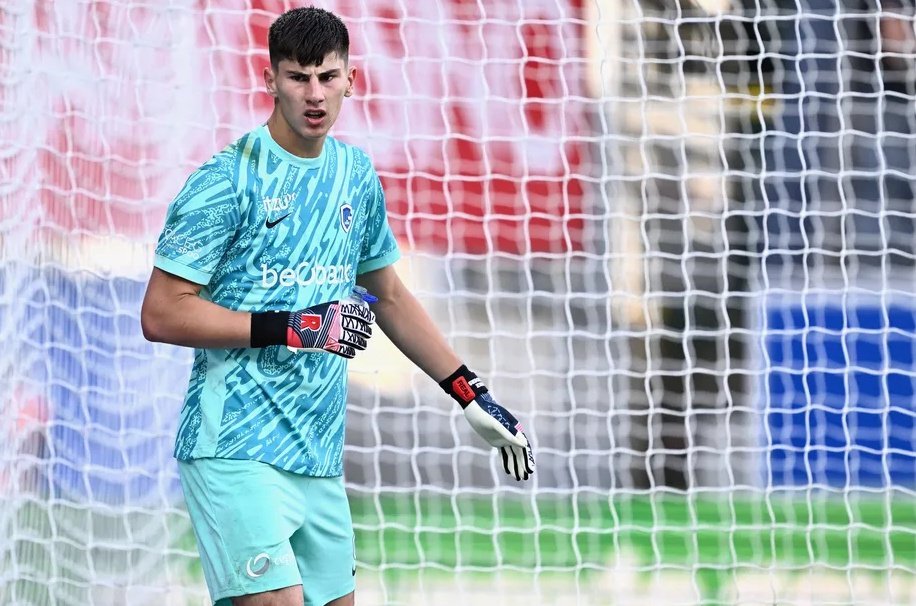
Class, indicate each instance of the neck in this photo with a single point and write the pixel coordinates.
(287, 138)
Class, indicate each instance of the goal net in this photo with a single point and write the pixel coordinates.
(675, 236)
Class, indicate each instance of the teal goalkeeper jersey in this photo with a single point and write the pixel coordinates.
(263, 230)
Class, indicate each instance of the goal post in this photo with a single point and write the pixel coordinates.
(676, 237)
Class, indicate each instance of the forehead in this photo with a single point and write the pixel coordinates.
(331, 61)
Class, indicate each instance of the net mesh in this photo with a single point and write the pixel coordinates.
(677, 238)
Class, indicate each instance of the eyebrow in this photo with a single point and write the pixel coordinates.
(294, 72)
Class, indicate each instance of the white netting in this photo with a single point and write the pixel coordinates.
(676, 237)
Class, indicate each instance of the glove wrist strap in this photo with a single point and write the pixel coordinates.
(269, 328)
(463, 385)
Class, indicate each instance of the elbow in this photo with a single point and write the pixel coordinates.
(152, 326)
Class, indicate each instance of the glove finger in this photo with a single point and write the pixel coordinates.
(521, 456)
(528, 458)
(344, 351)
(505, 453)
(354, 310)
(528, 455)
(356, 325)
(512, 467)
(352, 339)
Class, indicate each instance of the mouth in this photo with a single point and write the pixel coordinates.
(315, 116)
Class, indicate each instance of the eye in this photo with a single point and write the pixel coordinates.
(327, 77)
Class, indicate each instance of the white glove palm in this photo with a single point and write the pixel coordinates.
(491, 421)
(501, 430)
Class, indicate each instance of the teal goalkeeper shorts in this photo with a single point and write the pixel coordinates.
(259, 528)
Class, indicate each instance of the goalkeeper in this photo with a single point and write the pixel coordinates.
(256, 269)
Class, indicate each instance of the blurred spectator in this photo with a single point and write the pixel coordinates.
(806, 107)
(802, 146)
(838, 155)
(689, 390)
(823, 177)
(882, 115)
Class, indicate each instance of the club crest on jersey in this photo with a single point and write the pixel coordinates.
(346, 217)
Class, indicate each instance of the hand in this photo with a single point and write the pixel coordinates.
(339, 327)
(502, 430)
(491, 421)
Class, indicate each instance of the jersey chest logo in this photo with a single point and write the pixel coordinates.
(346, 217)
(278, 207)
(270, 223)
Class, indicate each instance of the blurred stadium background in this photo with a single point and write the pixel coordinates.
(677, 236)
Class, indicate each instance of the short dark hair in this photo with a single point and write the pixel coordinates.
(307, 35)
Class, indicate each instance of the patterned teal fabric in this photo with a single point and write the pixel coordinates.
(261, 230)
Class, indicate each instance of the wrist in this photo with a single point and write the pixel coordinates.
(269, 328)
(463, 385)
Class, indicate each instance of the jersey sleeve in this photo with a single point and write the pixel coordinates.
(379, 247)
(199, 226)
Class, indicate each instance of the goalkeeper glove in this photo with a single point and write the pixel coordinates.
(491, 421)
(338, 327)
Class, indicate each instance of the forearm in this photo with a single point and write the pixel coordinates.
(406, 323)
(403, 319)
(191, 321)
(410, 328)
(174, 312)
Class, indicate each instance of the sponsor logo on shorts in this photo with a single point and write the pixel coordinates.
(257, 565)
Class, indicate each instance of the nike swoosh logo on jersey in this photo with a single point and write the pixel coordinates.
(270, 223)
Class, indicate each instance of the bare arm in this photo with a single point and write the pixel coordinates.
(173, 312)
(407, 324)
(410, 328)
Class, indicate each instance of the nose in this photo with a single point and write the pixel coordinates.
(314, 92)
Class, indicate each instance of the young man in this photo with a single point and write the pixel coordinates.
(255, 269)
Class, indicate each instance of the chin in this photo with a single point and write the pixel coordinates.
(312, 134)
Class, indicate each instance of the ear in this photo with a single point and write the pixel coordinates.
(270, 81)
(351, 77)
